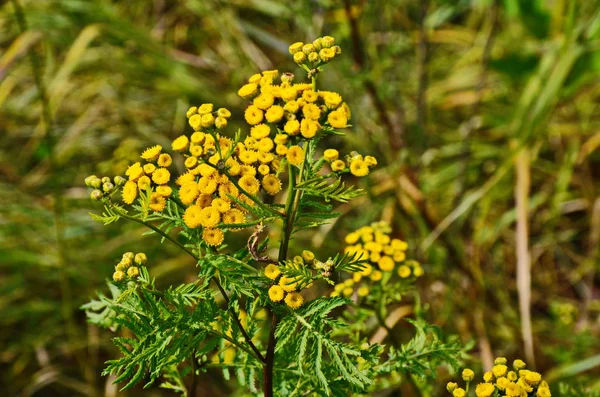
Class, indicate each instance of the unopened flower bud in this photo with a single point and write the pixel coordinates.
(133, 271)
(128, 255)
(327, 41)
(313, 57)
(451, 386)
(298, 260)
(468, 375)
(108, 187)
(124, 264)
(89, 179)
(299, 57)
(519, 364)
(140, 258)
(119, 180)
(96, 183)
(500, 361)
(220, 122)
(287, 77)
(118, 276)
(96, 195)
(338, 49)
(191, 111)
(296, 47)
(318, 43)
(308, 256)
(308, 48)
(105, 179)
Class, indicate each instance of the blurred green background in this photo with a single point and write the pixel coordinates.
(484, 115)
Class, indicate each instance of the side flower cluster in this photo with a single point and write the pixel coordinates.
(319, 52)
(287, 289)
(501, 381)
(383, 255)
(128, 268)
(152, 177)
(354, 163)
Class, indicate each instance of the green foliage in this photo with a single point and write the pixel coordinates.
(313, 342)
(330, 188)
(427, 350)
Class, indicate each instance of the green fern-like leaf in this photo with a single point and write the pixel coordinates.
(328, 190)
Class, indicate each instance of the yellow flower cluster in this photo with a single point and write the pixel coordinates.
(153, 177)
(286, 288)
(219, 172)
(127, 268)
(291, 111)
(501, 381)
(383, 254)
(355, 163)
(319, 52)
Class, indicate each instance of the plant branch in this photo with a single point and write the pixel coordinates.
(214, 279)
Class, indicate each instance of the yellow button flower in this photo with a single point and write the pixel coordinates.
(192, 216)
(129, 192)
(271, 184)
(338, 165)
(337, 119)
(213, 237)
(291, 127)
(331, 155)
(248, 91)
(295, 155)
(276, 293)
(272, 271)
(386, 264)
(157, 202)
(263, 101)
(209, 217)
(249, 183)
(359, 168)
(294, 300)
(309, 128)
(188, 192)
(164, 160)
(253, 115)
(404, 271)
(274, 114)
(484, 390)
(180, 144)
(151, 153)
(311, 111)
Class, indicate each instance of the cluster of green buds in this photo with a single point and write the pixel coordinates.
(127, 268)
(308, 259)
(315, 54)
(103, 186)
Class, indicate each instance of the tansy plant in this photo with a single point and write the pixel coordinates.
(248, 313)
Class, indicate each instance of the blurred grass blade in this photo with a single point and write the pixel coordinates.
(523, 171)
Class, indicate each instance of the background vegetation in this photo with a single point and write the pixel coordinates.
(485, 115)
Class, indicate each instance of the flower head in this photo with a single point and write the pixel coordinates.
(213, 237)
(276, 293)
(151, 153)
